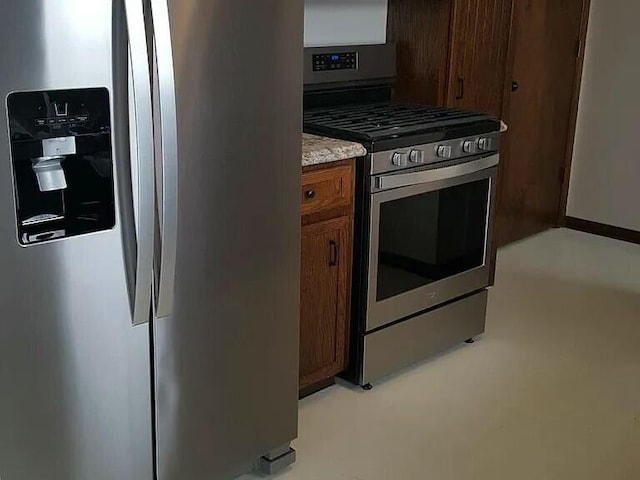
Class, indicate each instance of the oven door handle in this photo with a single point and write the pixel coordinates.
(435, 174)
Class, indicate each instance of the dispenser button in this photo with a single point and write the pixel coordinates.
(52, 147)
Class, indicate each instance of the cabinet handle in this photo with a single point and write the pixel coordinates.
(310, 194)
(333, 254)
(460, 94)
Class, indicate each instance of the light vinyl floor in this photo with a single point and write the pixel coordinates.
(551, 391)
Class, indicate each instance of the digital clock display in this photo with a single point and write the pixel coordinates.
(323, 62)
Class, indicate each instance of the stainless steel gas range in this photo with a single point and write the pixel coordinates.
(424, 209)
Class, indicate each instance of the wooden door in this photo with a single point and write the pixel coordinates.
(324, 291)
(479, 53)
(546, 49)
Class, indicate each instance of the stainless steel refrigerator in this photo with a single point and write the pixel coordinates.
(149, 237)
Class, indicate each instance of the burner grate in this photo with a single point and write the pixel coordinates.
(386, 120)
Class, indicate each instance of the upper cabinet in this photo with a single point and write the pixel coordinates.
(421, 29)
(452, 52)
(479, 48)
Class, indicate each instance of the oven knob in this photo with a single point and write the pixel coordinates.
(399, 159)
(416, 156)
(444, 151)
(485, 144)
(469, 146)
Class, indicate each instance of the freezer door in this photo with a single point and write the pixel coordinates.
(227, 356)
(75, 400)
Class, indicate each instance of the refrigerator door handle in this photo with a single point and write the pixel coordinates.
(141, 295)
(168, 130)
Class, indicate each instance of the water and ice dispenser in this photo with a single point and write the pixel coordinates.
(62, 163)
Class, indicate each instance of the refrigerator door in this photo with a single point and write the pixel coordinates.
(227, 356)
(75, 400)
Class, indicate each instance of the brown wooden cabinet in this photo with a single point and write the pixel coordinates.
(479, 51)
(324, 289)
(327, 219)
(452, 52)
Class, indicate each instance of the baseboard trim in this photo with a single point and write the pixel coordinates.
(603, 230)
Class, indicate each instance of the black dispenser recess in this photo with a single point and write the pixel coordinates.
(62, 163)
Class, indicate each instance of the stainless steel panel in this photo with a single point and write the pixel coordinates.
(375, 63)
(381, 161)
(226, 359)
(75, 400)
(380, 313)
(429, 175)
(398, 346)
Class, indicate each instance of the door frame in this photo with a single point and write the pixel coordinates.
(575, 102)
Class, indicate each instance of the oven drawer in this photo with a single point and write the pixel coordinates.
(326, 189)
(403, 344)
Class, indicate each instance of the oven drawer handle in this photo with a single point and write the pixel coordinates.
(438, 174)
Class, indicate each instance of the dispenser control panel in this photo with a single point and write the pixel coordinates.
(61, 156)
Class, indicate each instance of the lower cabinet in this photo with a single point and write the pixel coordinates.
(324, 289)
(325, 294)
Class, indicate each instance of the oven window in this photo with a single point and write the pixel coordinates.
(431, 236)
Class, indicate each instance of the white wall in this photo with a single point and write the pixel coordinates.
(345, 22)
(605, 178)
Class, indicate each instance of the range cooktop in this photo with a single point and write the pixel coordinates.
(385, 125)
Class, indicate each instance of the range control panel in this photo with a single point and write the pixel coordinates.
(447, 150)
(335, 61)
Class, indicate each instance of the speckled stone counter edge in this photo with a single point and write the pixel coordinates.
(317, 150)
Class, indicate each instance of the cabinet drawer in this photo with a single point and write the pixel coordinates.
(326, 189)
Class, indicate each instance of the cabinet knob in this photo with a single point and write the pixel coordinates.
(310, 194)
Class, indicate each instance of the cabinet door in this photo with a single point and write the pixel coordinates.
(324, 305)
(479, 53)
(540, 114)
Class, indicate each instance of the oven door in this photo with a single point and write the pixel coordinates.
(430, 237)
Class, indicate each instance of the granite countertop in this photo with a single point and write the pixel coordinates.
(317, 150)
